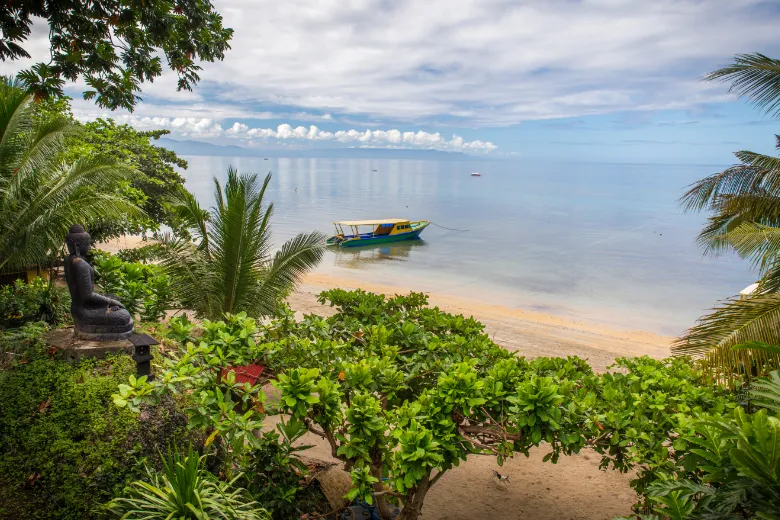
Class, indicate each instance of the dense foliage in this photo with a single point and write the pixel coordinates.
(185, 491)
(153, 185)
(730, 469)
(65, 449)
(155, 180)
(230, 267)
(41, 194)
(38, 300)
(144, 289)
(114, 45)
(403, 393)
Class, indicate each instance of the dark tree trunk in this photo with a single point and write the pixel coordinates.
(413, 507)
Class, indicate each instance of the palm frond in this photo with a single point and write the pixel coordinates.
(754, 76)
(195, 219)
(757, 174)
(191, 277)
(766, 392)
(756, 242)
(40, 196)
(296, 257)
(738, 321)
(238, 272)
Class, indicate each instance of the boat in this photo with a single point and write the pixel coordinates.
(476, 174)
(370, 232)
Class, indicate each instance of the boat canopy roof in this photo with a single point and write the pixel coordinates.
(372, 222)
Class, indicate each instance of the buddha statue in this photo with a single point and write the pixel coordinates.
(96, 316)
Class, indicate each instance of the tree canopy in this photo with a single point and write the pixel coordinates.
(114, 45)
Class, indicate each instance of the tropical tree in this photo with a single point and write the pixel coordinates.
(114, 45)
(223, 263)
(744, 202)
(41, 194)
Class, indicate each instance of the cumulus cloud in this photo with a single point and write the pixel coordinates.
(193, 127)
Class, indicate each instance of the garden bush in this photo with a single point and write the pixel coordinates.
(39, 300)
(727, 466)
(65, 449)
(142, 288)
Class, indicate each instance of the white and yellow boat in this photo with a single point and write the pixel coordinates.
(369, 232)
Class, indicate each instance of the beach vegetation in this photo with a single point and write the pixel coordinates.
(41, 194)
(222, 261)
(114, 46)
(402, 393)
(744, 206)
(185, 490)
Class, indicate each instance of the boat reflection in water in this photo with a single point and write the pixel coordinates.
(361, 257)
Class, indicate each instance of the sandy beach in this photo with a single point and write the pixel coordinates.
(530, 333)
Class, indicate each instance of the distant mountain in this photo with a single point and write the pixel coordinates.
(200, 148)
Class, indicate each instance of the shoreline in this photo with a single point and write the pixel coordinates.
(530, 333)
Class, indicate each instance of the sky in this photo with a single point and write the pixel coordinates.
(579, 80)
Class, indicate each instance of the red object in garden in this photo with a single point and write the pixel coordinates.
(245, 373)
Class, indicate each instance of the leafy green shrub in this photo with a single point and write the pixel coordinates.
(403, 393)
(64, 448)
(275, 474)
(38, 300)
(729, 465)
(184, 490)
(18, 341)
(142, 288)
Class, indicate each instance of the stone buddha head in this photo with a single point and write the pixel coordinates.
(78, 241)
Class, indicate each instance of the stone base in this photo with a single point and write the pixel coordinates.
(103, 336)
(75, 348)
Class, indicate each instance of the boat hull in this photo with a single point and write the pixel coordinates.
(370, 241)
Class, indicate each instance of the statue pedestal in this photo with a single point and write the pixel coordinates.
(75, 349)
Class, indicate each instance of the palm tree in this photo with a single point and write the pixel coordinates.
(41, 196)
(744, 201)
(224, 263)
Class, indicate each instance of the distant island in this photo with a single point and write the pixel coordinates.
(201, 148)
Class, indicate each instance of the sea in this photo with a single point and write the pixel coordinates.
(606, 243)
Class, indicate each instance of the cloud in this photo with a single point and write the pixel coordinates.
(205, 127)
(475, 63)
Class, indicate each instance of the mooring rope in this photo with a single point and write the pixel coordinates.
(448, 228)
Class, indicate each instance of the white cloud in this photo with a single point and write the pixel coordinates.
(183, 126)
(463, 62)
(205, 127)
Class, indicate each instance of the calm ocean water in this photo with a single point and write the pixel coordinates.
(602, 242)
